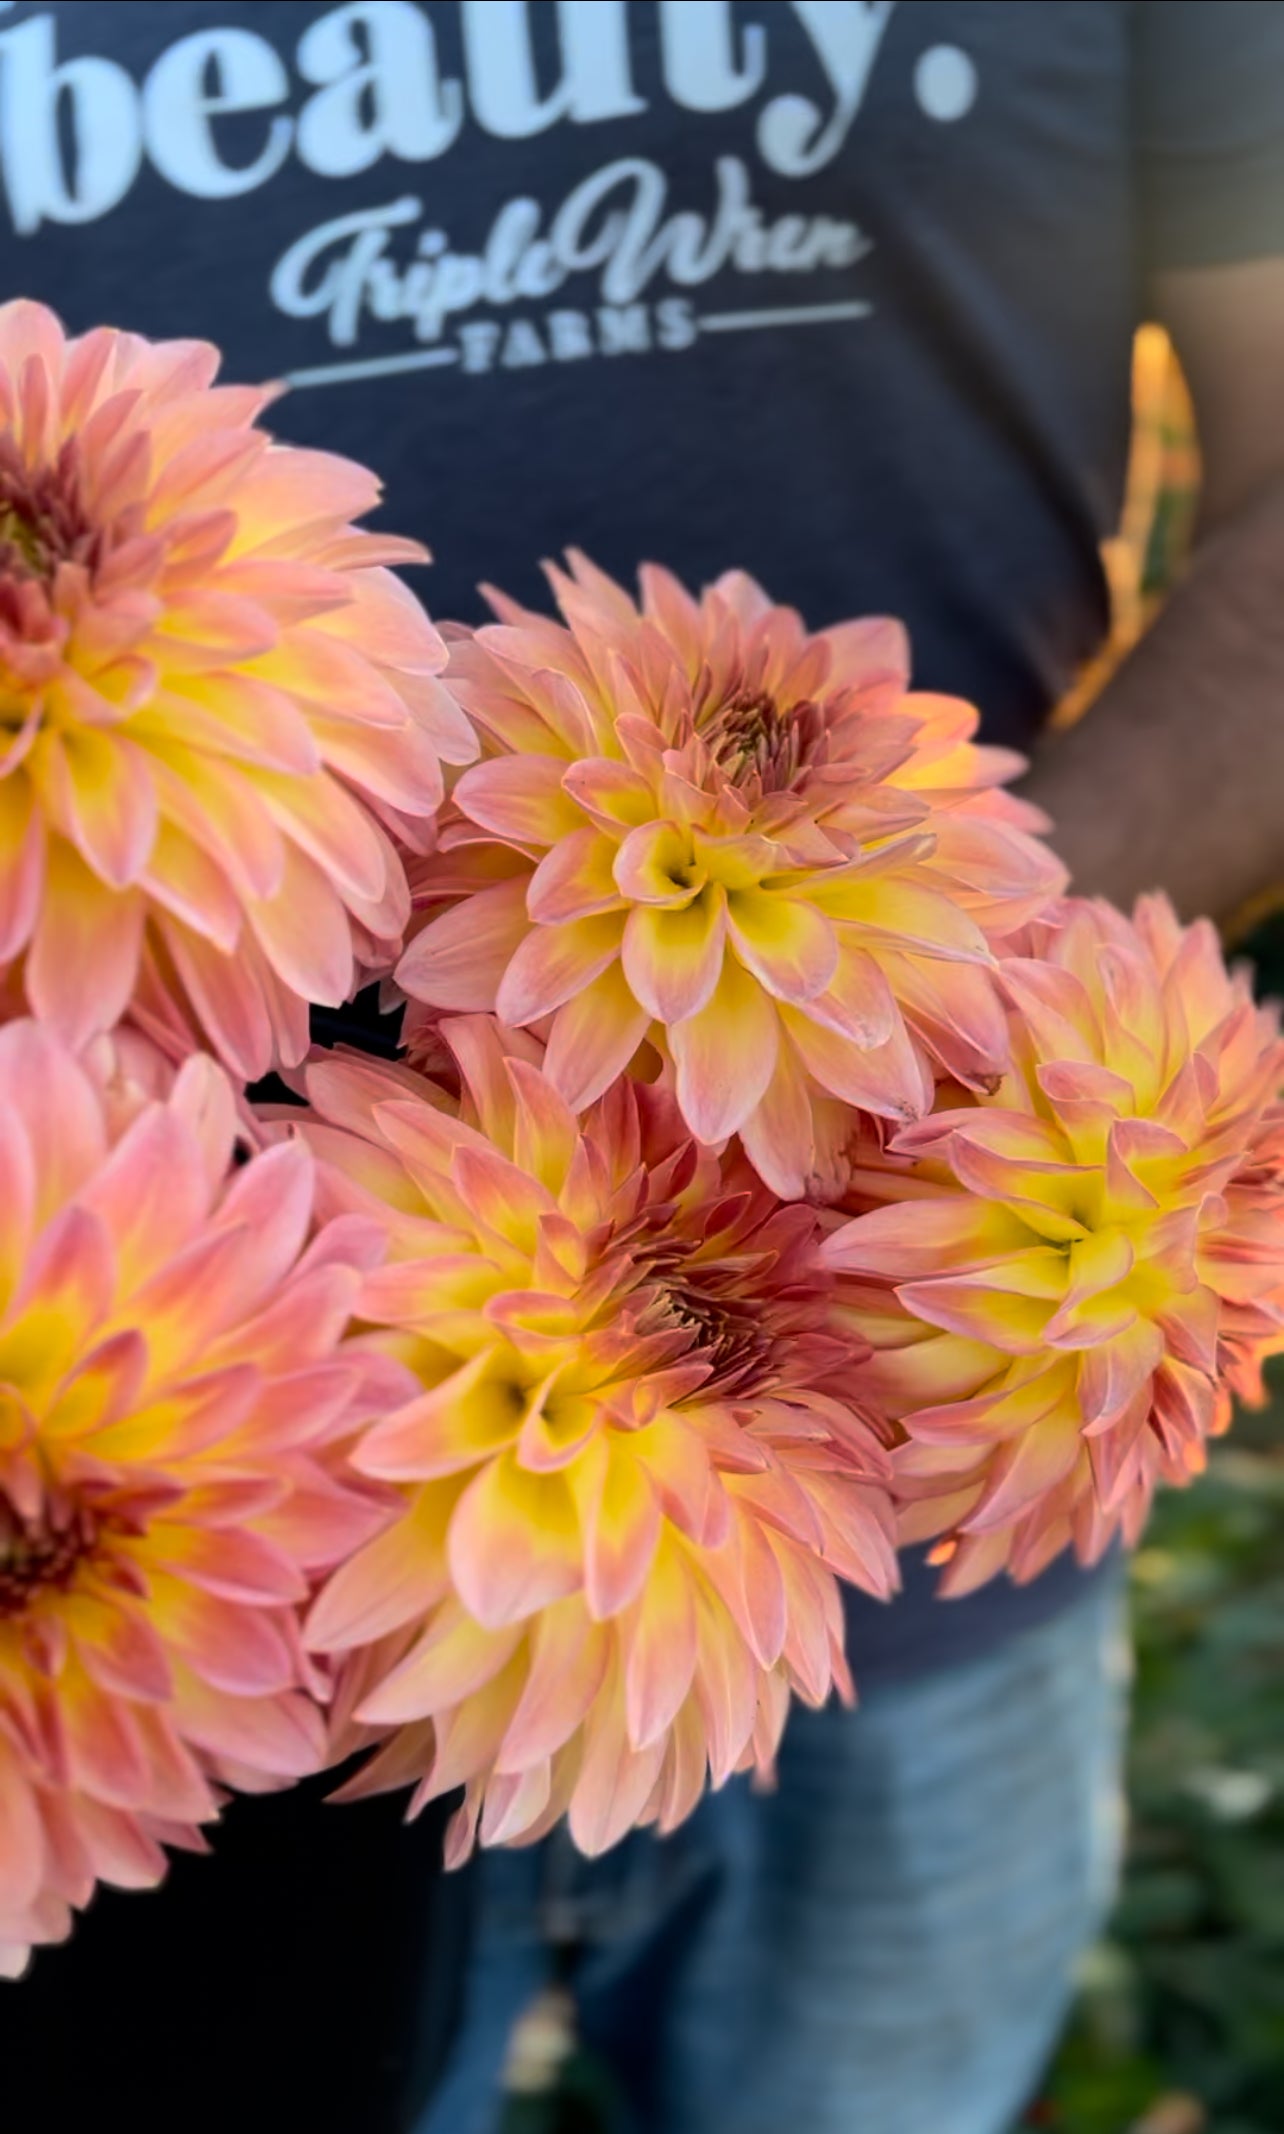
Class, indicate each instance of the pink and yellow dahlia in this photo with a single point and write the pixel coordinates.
(172, 1410)
(216, 702)
(702, 826)
(1067, 1277)
(632, 1465)
(699, 825)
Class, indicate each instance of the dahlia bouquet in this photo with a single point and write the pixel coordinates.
(778, 1166)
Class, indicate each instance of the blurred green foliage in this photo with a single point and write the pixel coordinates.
(1180, 2027)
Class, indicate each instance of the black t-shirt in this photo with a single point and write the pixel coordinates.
(840, 293)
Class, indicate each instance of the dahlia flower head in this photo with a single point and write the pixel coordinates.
(218, 703)
(631, 1466)
(173, 1412)
(697, 826)
(1066, 1280)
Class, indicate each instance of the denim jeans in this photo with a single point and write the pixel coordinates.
(883, 1945)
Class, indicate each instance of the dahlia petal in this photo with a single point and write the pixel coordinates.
(857, 1000)
(519, 797)
(1027, 1467)
(544, 1129)
(956, 1011)
(401, 1761)
(755, 1592)
(282, 1737)
(22, 1846)
(151, 1194)
(907, 918)
(120, 1651)
(468, 1736)
(182, 1793)
(101, 1390)
(301, 1408)
(17, 1192)
(1009, 1305)
(871, 653)
(807, 1650)
(22, 863)
(909, 1239)
(84, 955)
(1191, 1328)
(654, 864)
(228, 1001)
(459, 960)
(890, 1079)
(383, 614)
(612, 1785)
(515, 1804)
(105, 1755)
(320, 670)
(1007, 877)
(106, 801)
(574, 880)
(780, 1501)
(396, 1577)
(319, 1523)
(232, 1566)
(62, 1300)
(859, 1534)
(217, 807)
(122, 1852)
(787, 944)
(304, 933)
(678, 1461)
(780, 1136)
(185, 881)
(232, 1648)
(461, 1830)
(513, 1542)
(327, 824)
(621, 1530)
(593, 1037)
(466, 1419)
(454, 1658)
(552, 963)
(725, 1055)
(661, 1649)
(196, 1415)
(569, 1655)
(613, 794)
(672, 958)
(685, 1769)
(1117, 1456)
(725, 1689)
(1007, 1401)
(503, 1199)
(977, 1559)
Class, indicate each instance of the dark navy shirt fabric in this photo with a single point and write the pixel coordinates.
(840, 293)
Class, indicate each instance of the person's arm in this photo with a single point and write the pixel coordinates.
(1174, 778)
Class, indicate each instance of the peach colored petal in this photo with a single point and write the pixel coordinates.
(672, 958)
